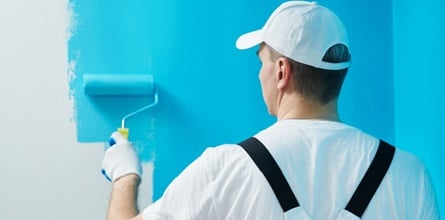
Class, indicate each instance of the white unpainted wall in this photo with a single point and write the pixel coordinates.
(44, 172)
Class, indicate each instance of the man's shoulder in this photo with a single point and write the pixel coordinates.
(408, 168)
(407, 180)
(224, 155)
(404, 160)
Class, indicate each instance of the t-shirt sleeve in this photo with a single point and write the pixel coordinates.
(189, 195)
(430, 207)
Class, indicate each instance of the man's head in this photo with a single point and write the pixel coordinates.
(302, 31)
(306, 40)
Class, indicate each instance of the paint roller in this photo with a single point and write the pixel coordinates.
(121, 85)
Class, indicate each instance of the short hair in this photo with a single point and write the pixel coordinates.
(317, 84)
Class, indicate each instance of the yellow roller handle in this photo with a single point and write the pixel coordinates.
(124, 132)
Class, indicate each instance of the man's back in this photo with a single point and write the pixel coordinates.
(322, 161)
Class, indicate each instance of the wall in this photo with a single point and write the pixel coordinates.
(419, 75)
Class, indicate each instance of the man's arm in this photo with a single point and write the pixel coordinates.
(123, 201)
(121, 166)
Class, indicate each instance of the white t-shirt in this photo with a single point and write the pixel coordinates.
(322, 161)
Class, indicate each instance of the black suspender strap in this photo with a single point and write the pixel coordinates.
(361, 197)
(372, 179)
(270, 169)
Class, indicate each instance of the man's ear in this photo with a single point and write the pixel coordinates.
(283, 72)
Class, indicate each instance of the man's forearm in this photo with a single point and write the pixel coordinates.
(123, 201)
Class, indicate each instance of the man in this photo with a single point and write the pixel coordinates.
(303, 48)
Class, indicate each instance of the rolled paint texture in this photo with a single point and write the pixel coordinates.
(118, 84)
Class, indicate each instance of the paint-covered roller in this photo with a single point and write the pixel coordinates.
(118, 84)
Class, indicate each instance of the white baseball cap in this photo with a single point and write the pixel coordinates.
(302, 31)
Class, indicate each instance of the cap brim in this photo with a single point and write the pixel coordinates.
(249, 40)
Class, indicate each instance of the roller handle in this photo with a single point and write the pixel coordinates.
(124, 131)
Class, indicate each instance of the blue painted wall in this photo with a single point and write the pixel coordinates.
(419, 33)
(209, 91)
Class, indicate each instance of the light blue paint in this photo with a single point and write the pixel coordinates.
(209, 91)
(419, 77)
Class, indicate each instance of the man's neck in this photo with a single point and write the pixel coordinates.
(309, 110)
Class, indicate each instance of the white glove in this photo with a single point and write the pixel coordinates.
(120, 159)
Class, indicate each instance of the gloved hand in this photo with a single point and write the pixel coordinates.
(120, 159)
